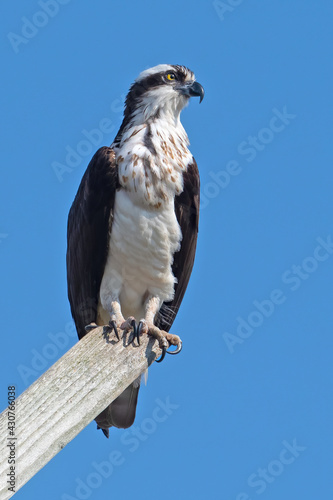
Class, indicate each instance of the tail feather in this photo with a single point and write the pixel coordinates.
(105, 431)
(121, 412)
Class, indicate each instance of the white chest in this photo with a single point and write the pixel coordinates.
(151, 161)
(142, 245)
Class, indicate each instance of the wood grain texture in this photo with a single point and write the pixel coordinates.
(66, 398)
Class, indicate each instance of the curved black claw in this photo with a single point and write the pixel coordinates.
(113, 326)
(164, 350)
(177, 351)
(139, 331)
(90, 327)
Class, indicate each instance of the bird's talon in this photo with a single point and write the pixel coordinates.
(90, 327)
(163, 346)
(139, 331)
(113, 326)
(164, 350)
(179, 348)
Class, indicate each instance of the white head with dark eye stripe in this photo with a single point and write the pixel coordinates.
(161, 91)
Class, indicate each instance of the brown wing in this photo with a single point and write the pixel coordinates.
(88, 234)
(187, 211)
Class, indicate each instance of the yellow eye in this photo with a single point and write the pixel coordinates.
(171, 76)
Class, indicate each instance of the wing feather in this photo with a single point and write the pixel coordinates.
(187, 212)
(89, 227)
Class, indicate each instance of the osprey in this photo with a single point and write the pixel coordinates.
(132, 228)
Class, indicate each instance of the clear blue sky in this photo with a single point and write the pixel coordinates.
(249, 400)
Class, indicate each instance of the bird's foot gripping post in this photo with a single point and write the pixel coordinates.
(164, 339)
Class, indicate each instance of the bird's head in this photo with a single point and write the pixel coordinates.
(163, 90)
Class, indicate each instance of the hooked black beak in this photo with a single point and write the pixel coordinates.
(192, 89)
